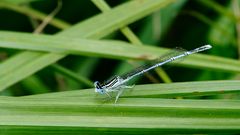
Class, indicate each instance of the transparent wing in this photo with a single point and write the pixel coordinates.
(173, 53)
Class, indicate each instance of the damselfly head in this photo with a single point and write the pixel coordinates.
(98, 88)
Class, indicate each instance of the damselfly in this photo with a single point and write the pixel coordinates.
(118, 83)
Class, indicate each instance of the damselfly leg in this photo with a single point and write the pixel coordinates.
(121, 89)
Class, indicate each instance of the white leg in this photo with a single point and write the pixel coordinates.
(128, 87)
(119, 93)
(121, 90)
(108, 95)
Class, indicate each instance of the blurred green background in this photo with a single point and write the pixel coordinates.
(186, 23)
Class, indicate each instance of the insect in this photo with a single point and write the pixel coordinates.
(118, 83)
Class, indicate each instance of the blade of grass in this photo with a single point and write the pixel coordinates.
(172, 90)
(152, 115)
(108, 49)
(95, 27)
(128, 105)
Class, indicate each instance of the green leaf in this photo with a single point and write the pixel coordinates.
(135, 115)
(108, 49)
